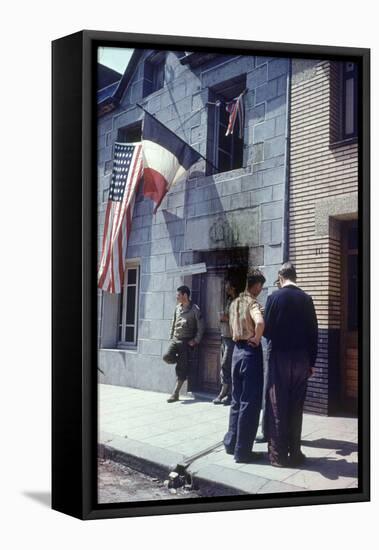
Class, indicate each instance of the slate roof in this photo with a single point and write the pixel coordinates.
(109, 97)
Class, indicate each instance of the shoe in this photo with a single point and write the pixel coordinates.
(221, 396)
(277, 464)
(283, 463)
(250, 457)
(173, 398)
(175, 394)
(261, 439)
(298, 459)
(217, 401)
(226, 400)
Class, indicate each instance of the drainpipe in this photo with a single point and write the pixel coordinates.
(286, 217)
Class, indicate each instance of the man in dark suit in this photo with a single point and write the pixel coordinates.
(291, 328)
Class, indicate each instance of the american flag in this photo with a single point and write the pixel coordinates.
(127, 172)
(235, 109)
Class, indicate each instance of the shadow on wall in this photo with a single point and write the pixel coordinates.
(183, 122)
(175, 227)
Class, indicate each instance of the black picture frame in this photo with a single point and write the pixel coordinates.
(74, 332)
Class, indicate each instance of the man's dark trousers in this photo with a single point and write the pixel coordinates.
(178, 353)
(227, 347)
(287, 385)
(247, 385)
(265, 394)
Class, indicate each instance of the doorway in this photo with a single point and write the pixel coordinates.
(222, 265)
(349, 317)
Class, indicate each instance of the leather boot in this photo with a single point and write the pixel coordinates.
(175, 394)
(223, 393)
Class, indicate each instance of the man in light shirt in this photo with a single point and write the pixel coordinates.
(246, 325)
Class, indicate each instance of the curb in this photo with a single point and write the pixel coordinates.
(142, 457)
(210, 480)
(235, 482)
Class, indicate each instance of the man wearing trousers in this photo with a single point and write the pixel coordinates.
(246, 324)
(227, 347)
(187, 329)
(291, 328)
(263, 437)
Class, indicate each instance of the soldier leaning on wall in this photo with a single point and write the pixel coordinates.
(187, 330)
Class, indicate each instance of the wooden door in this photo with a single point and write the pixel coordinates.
(349, 328)
(212, 302)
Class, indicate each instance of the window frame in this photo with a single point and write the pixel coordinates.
(153, 64)
(131, 133)
(122, 312)
(215, 149)
(158, 79)
(345, 76)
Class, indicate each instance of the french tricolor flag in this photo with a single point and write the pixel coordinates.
(166, 158)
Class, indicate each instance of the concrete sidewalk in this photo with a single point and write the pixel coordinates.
(141, 430)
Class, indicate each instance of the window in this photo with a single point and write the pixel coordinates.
(225, 152)
(105, 194)
(127, 134)
(154, 73)
(128, 314)
(349, 100)
(130, 134)
(343, 102)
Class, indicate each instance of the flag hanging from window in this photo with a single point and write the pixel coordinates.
(166, 158)
(127, 172)
(235, 109)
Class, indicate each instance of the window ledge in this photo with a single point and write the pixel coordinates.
(342, 142)
(148, 97)
(127, 347)
(121, 348)
(227, 175)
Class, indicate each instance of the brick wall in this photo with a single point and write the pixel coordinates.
(323, 188)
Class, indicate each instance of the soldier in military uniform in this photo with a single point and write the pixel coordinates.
(247, 325)
(187, 330)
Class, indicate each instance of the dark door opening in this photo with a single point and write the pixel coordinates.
(221, 266)
(349, 317)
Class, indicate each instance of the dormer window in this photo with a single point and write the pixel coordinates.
(154, 73)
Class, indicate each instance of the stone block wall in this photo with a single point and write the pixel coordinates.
(242, 207)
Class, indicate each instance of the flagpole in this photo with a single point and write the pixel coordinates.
(178, 137)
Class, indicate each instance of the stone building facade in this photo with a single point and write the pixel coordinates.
(245, 212)
(230, 218)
